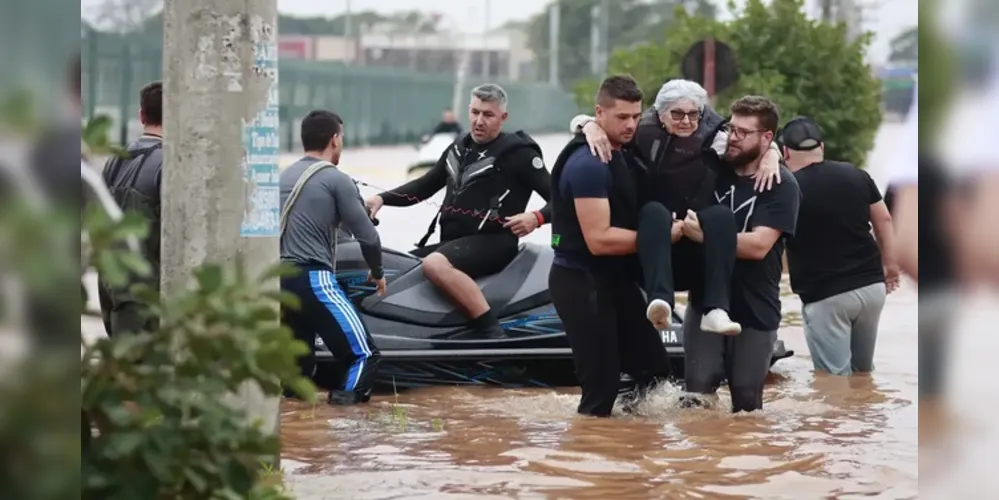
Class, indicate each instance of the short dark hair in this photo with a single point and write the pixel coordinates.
(618, 88)
(765, 110)
(151, 103)
(318, 127)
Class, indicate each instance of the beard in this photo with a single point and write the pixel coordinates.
(741, 157)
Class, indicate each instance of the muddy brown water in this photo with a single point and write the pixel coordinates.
(818, 437)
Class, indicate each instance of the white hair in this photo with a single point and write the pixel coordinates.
(490, 92)
(674, 91)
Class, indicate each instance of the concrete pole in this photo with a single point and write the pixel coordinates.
(220, 147)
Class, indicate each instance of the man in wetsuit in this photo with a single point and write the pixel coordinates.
(488, 175)
(763, 220)
(672, 139)
(316, 197)
(134, 182)
(595, 273)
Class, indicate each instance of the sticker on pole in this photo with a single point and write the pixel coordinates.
(262, 217)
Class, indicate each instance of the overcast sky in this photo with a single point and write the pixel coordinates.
(887, 20)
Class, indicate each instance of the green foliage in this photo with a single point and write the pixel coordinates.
(630, 22)
(19, 113)
(807, 67)
(161, 421)
(937, 85)
(96, 134)
(39, 438)
(905, 46)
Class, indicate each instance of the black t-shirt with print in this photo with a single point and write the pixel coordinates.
(756, 283)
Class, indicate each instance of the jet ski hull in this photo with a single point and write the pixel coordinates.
(424, 341)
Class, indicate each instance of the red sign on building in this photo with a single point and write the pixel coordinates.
(295, 47)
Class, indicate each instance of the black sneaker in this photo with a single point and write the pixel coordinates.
(630, 401)
(633, 393)
(345, 398)
(691, 401)
(494, 332)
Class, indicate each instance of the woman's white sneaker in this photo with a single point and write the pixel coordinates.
(717, 321)
(660, 314)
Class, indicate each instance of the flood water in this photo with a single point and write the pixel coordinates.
(818, 437)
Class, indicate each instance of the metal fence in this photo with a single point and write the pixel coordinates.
(379, 106)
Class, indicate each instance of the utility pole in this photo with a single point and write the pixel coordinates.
(348, 22)
(553, 42)
(605, 36)
(595, 40)
(487, 59)
(220, 148)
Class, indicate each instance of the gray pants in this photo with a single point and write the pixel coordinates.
(842, 330)
(936, 312)
(743, 360)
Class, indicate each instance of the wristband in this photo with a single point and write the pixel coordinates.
(541, 218)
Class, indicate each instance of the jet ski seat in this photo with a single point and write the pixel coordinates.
(520, 286)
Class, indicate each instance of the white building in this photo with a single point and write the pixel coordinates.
(499, 55)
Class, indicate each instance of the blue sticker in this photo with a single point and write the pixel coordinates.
(260, 140)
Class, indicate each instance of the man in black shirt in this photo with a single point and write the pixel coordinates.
(837, 268)
(448, 125)
(763, 221)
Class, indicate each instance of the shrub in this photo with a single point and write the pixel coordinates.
(159, 420)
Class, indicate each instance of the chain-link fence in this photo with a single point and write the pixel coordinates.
(379, 106)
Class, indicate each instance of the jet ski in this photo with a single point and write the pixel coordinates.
(425, 340)
(428, 152)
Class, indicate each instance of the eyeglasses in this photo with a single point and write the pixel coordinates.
(738, 133)
(678, 114)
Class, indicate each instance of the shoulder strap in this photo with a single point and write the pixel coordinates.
(296, 191)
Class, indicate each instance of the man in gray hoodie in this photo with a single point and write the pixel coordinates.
(316, 197)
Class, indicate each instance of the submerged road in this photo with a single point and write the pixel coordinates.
(819, 436)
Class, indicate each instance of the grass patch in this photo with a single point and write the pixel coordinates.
(395, 416)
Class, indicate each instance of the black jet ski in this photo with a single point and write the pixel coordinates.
(425, 341)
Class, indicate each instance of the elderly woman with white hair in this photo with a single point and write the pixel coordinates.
(672, 139)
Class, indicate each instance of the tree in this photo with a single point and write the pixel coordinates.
(806, 66)
(630, 22)
(905, 46)
(126, 16)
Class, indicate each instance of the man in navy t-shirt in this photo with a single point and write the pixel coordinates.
(595, 273)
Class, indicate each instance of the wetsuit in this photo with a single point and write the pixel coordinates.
(327, 199)
(598, 297)
(489, 181)
(134, 184)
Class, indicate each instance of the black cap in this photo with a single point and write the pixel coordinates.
(801, 134)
